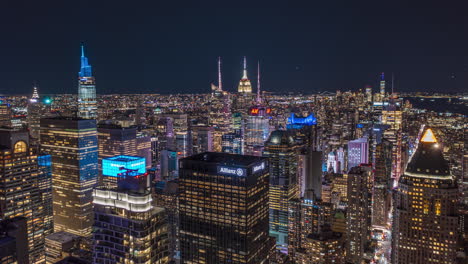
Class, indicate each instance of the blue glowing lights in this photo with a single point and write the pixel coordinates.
(304, 121)
(85, 67)
(116, 165)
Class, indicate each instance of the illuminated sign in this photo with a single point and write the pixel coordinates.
(307, 121)
(261, 111)
(231, 171)
(114, 166)
(259, 167)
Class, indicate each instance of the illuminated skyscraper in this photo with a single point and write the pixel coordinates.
(5, 115)
(202, 139)
(224, 209)
(20, 190)
(392, 116)
(368, 94)
(381, 198)
(34, 114)
(426, 216)
(382, 87)
(87, 104)
(358, 152)
(358, 217)
(72, 143)
(244, 84)
(220, 112)
(232, 143)
(115, 140)
(127, 227)
(281, 151)
(258, 125)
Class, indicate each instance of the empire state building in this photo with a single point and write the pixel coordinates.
(87, 105)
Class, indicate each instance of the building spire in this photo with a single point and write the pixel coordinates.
(85, 70)
(220, 82)
(259, 98)
(244, 76)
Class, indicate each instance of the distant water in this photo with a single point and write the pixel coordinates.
(441, 105)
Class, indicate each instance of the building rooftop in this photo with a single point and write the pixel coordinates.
(280, 137)
(62, 237)
(225, 158)
(124, 158)
(427, 160)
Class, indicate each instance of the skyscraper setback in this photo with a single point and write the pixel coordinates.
(87, 102)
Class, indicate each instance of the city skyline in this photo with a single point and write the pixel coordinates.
(174, 50)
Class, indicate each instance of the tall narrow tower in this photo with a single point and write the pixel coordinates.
(382, 86)
(87, 105)
(244, 84)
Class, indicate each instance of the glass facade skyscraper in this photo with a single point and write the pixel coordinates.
(72, 143)
(223, 209)
(282, 154)
(87, 103)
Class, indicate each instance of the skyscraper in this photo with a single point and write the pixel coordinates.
(257, 128)
(127, 227)
(5, 115)
(87, 104)
(358, 217)
(358, 152)
(392, 116)
(115, 140)
(244, 84)
(224, 209)
(34, 114)
(382, 87)
(281, 151)
(425, 215)
(72, 143)
(381, 198)
(21, 189)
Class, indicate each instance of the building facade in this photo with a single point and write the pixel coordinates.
(224, 209)
(426, 216)
(72, 144)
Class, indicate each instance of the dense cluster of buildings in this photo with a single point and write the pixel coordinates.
(245, 177)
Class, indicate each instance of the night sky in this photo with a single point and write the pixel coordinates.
(172, 46)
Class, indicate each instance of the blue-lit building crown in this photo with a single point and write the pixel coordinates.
(85, 67)
(297, 122)
(117, 165)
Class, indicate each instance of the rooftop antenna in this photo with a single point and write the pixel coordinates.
(244, 76)
(259, 99)
(220, 83)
